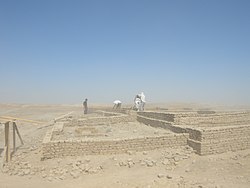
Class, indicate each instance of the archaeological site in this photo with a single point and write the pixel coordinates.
(60, 146)
(106, 133)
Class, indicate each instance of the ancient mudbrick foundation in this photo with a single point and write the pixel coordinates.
(113, 133)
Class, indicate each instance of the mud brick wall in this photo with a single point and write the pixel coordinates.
(106, 113)
(53, 149)
(121, 110)
(212, 139)
(160, 123)
(205, 140)
(201, 120)
(158, 115)
(229, 118)
(221, 139)
(58, 127)
(102, 120)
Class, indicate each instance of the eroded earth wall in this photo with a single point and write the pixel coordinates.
(52, 149)
(220, 139)
(105, 119)
(208, 133)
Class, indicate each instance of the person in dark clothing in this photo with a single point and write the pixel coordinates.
(85, 106)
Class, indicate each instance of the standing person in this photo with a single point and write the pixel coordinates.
(137, 102)
(143, 101)
(85, 106)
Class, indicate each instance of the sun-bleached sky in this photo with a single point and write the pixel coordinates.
(63, 51)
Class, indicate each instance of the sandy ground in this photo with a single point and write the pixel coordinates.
(174, 167)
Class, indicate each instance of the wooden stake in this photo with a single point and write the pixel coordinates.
(14, 137)
(7, 145)
(14, 123)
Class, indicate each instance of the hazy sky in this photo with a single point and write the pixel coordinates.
(57, 51)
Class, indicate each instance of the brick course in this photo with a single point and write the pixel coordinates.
(52, 149)
(221, 135)
(223, 132)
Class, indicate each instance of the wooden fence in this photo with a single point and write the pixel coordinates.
(8, 151)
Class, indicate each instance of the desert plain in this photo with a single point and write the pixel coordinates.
(177, 166)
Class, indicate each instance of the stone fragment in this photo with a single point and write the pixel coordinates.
(160, 175)
(62, 177)
(26, 171)
(166, 162)
(115, 159)
(122, 164)
(130, 152)
(169, 177)
(176, 158)
(44, 175)
(21, 173)
(75, 174)
(169, 168)
(130, 164)
(150, 163)
(92, 171)
(5, 170)
(187, 170)
(87, 160)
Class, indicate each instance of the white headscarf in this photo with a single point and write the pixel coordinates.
(143, 97)
(117, 102)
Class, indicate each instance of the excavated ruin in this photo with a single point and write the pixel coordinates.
(103, 132)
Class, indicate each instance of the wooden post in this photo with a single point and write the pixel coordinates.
(4, 154)
(14, 137)
(14, 123)
(7, 145)
(7, 149)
